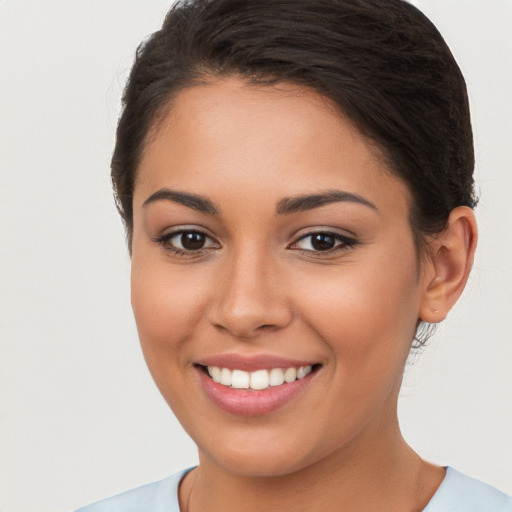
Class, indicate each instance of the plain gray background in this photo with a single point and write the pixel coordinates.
(80, 418)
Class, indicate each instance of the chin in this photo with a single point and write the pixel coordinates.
(261, 456)
(258, 465)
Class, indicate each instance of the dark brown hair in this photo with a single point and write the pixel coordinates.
(382, 62)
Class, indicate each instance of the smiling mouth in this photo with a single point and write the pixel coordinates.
(258, 380)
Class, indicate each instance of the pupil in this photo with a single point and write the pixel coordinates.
(192, 241)
(322, 242)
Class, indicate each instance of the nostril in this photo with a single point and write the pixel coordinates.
(266, 327)
(247, 313)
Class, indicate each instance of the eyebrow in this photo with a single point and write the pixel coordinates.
(285, 206)
(303, 203)
(196, 202)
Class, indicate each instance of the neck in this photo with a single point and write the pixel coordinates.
(378, 471)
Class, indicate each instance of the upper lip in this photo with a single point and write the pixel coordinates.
(252, 363)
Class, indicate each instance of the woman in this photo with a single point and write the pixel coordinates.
(296, 183)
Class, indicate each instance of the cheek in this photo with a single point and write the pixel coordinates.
(168, 307)
(366, 320)
(366, 314)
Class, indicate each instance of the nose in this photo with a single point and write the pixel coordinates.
(250, 298)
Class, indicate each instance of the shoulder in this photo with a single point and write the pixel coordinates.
(460, 493)
(160, 496)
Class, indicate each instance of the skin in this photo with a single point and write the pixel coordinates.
(257, 286)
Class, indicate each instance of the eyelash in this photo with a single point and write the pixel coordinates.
(164, 242)
(344, 244)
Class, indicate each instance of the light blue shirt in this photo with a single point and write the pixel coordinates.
(457, 493)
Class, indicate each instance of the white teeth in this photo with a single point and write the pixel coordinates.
(240, 379)
(290, 374)
(276, 377)
(258, 380)
(303, 371)
(225, 376)
(214, 372)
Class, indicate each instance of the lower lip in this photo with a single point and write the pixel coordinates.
(247, 402)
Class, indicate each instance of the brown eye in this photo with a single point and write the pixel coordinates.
(186, 242)
(192, 241)
(323, 241)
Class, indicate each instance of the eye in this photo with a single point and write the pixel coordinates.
(184, 242)
(323, 241)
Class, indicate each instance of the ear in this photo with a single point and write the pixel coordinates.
(451, 258)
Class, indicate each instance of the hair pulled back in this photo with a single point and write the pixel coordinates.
(382, 62)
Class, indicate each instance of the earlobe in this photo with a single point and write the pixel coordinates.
(452, 254)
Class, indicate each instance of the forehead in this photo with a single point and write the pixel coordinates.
(229, 135)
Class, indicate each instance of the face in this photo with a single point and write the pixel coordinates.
(272, 245)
